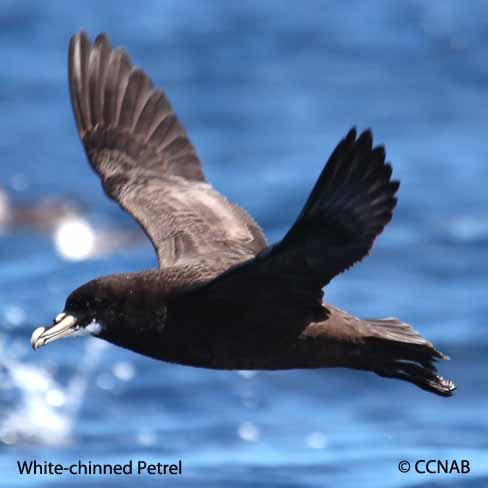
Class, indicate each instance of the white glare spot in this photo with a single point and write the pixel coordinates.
(147, 439)
(37, 380)
(75, 239)
(8, 438)
(106, 381)
(34, 417)
(247, 374)
(13, 315)
(123, 371)
(316, 440)
(19, 182)
(467, 229)
(55, 398)
(248, 432)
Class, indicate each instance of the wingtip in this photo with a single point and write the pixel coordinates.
(365, 140)
(366, 136)
(79, 36)
(78, 45)
(351, 135)
(395, 184)
(82, 37)
(102, 38)
(441, 355)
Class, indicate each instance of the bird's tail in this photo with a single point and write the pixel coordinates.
(398, 351)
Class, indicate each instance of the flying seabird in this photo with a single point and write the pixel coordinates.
(221, 297)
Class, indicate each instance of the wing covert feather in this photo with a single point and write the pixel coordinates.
(348, 208)
(146, 162)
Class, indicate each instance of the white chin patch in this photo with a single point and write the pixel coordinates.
(93, 328)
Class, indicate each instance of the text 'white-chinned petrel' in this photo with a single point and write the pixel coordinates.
(221, 297)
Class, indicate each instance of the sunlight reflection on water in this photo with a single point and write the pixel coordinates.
(75, 239)
(47, 411)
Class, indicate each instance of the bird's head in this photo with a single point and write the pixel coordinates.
(113, 307)
(82, 315)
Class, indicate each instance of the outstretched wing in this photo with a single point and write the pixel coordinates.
(146, 162)
(349, 206)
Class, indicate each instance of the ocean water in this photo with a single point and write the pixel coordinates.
(266, 90)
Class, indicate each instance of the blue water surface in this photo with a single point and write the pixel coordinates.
(266, 89)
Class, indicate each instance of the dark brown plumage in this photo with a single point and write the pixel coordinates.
(142, 154)
(221, 298)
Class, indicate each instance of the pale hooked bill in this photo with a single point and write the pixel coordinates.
(64, 326)
(61, 328)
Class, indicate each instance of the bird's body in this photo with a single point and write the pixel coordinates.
(221, 297)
